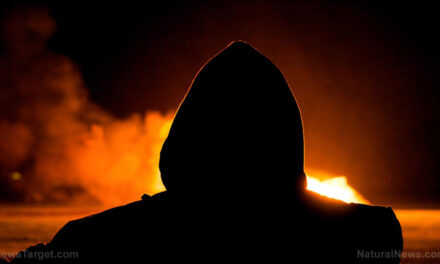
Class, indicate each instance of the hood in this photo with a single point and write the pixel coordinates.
(238, 130)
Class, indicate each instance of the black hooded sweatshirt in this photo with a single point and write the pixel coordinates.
(233, 167)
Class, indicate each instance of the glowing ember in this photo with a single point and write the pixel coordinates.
(16, 176)
(335, 187)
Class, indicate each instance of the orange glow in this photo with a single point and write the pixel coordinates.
(334, 187)
(79, 152)
(317, 181)
(126, 156)
(16, 176)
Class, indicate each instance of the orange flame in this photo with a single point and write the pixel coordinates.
(334, 187)
(330, 186)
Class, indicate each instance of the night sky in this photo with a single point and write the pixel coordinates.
(366, 75)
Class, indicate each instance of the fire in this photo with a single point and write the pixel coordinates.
(331, 186)
(61, 146)
(145, 144)
(334, 187)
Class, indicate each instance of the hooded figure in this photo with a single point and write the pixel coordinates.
(233, 167)
(237, 132)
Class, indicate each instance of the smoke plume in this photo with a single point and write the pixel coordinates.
(56, 145)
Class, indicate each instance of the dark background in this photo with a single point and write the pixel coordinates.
(364, 74)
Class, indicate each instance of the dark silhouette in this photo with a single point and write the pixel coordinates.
(233, 169)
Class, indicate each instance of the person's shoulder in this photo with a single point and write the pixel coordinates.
(352, 231)
(139, 207)
(362, 214)
(373, 215)
(114, 220)
(366, 222)
(376, 227)
(115, 231)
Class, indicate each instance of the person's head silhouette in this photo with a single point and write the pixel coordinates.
(238, 130)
